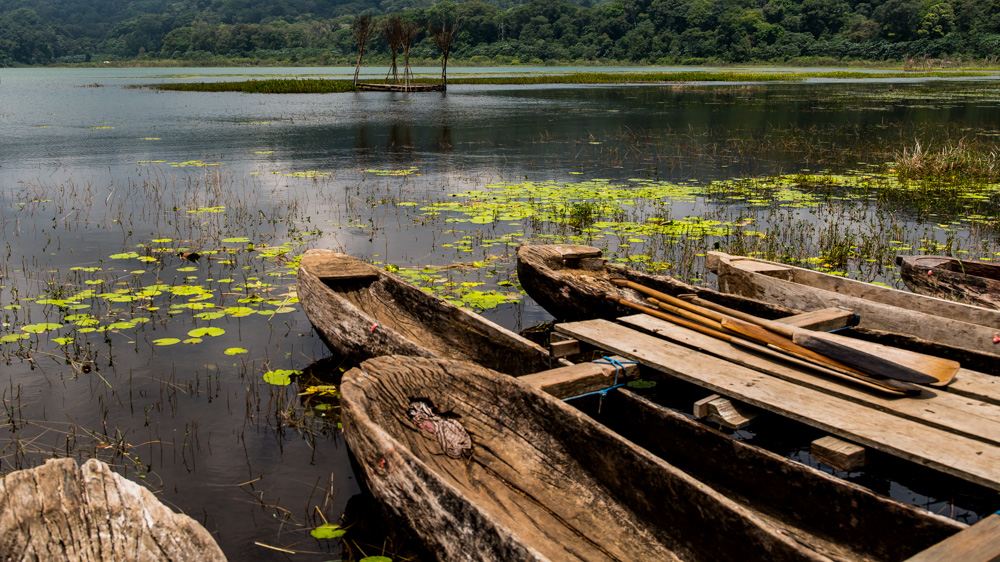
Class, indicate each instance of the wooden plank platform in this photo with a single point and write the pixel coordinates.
(956, 414)
(927, 430)
(401, 87)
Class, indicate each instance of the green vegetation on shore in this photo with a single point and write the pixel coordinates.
(919, 34)
(322, 86)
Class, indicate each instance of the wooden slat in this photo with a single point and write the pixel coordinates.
(725, 412)
(978, 543)
(564, 348)
(837, 453)
(955, 414)
(824, 320)
(580, 378)
(959, 456)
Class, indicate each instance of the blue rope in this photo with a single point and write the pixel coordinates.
(619, 370)
(603, 392)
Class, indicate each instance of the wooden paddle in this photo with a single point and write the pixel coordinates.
(885, 385)
(854, 359)
(943, 370)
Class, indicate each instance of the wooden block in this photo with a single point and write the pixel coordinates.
(724, 411)
(978, 543)
(824, 320)
(580, 378)
(592, 264)
(838, 454)
(564, 348)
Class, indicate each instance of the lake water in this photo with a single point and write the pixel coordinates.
(157, 363)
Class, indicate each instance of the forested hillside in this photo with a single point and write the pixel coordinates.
(648, 31)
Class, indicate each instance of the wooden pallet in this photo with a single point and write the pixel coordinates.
(956, 432)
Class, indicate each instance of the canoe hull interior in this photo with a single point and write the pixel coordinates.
(543, 480)
(361, 312)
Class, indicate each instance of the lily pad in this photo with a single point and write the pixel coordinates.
(39, 328)
(166, 341)
(236, 351)
(280, 377)
(13, 337)
(209, 331)
(328, 531)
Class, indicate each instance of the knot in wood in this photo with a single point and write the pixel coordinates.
(452, 436)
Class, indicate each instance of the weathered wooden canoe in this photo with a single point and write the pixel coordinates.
(62, 511)
(484, 467)
(968, 281)
(964, 332)
(361, 311)
(572, 283)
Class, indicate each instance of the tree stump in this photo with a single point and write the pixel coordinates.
(62, 511)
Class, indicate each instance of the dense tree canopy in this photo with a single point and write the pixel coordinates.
(648, 31)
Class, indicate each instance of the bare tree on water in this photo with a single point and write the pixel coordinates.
(407, 32)
(362, 29)
(444, 36)
(392, 31)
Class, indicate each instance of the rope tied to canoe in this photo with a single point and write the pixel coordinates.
(619, 371)
(454, 439)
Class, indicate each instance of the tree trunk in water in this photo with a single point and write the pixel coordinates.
(357, 69)
(444, 72)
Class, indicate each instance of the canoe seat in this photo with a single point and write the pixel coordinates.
(337, 267)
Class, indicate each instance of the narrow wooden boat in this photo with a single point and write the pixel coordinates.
(362, 311)
(484, 467)
(572, 282)
(968, 281)
(964, 331)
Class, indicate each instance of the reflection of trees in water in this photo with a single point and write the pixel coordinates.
(401, 140)
(444, 137)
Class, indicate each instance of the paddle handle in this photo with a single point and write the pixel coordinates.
(776, 327)
(887, 385)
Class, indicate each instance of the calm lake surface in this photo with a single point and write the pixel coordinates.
(116, 346)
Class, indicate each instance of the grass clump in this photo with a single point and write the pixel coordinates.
(272, 86)
(968, 160)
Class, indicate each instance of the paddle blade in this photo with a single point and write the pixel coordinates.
(866, 362)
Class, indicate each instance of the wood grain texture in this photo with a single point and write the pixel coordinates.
(543, 482)
(954, 413)
(845, 519)
(565, 382)
(978, 543)
(62, 511)
(362, 317)
(958, 455)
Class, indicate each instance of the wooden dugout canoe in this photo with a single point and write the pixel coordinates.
(361, 311)
(958, 331)
(967, 281)
(572, 282)
(542, 481)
